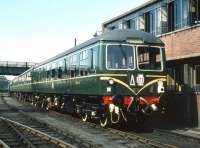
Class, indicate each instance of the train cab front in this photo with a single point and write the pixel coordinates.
(139, 79)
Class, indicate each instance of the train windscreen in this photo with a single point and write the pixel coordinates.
(149, 58)
(120, 57)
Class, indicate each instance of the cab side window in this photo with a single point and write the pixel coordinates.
(94, 59)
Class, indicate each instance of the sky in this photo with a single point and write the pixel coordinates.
(35, 30)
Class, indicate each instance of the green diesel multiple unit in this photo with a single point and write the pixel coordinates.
(112, 77)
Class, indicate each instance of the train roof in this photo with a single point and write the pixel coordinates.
(120, 35)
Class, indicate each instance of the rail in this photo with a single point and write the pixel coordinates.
(53, 140)
(46, 129)
(141, 139)
(3, 145)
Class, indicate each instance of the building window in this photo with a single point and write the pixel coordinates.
(179, 78)
(170, 79)
(185, 13)
(194, 11)
(141, 24)
(197, 78)
(178, 9)
(128, 24)
(147, 21)
(175, 78)
(198, 12)
(198, 74)
(125, 24)
(164, 18)
(112, 28)
(171, 16)
(158, 21)
(152, 21)
(133, 24)
(120, 25)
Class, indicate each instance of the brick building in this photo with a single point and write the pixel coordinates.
(177, 23)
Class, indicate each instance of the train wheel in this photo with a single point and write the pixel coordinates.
(84, 117)
(48, 106)
(105, 120)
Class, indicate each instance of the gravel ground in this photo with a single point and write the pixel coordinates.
(94, 135)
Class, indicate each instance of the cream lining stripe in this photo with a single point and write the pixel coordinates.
(155, 76)
(118, 75)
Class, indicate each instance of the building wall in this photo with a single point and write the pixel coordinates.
(185, 43)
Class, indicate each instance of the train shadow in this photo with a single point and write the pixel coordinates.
(155, 122)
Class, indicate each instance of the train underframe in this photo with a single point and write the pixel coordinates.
(108, 110)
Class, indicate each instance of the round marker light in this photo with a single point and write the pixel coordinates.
(111, 82)
(160, 83)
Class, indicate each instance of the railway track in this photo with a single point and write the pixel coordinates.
(20, 135)
(178, 139)
(130, 137)
(134, 137)
(157, 138)
(25, 131)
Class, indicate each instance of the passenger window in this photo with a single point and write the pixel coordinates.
(72, 71)
(44, 74)
(48, 74)
(59, 72)
(40, 74)
(74, 65)
(83, 68)
(65, 66)
(60, 68)
(53, 73)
